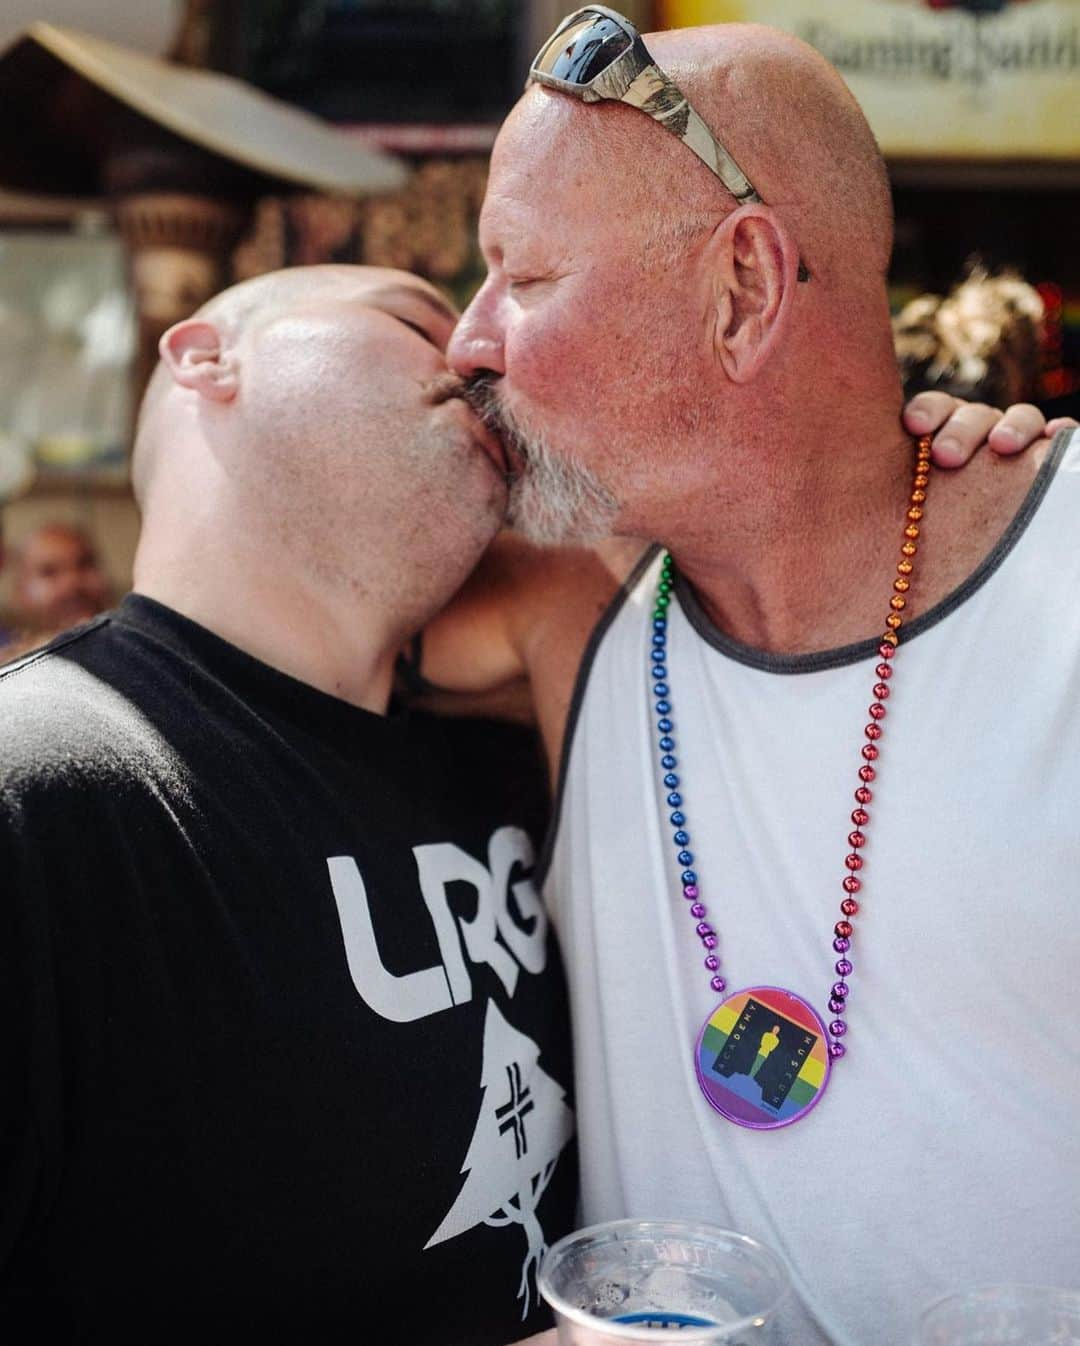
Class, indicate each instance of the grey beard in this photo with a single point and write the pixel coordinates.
(553, 499)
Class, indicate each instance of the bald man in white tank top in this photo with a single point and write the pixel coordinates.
(660, 368)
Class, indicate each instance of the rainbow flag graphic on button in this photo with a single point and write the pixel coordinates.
(762, 1057)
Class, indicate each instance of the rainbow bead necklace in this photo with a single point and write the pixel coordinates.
(764, 1055)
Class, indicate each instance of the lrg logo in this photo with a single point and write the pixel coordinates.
(503, 938)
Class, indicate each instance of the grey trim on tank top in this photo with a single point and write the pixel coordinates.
(782, 663)
(867, 649)
(543, 862)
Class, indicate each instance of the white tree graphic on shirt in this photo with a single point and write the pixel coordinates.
(523, 1125)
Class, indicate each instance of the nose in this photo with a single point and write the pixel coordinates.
(477, 343)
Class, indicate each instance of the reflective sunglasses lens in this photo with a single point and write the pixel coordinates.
(584, 50)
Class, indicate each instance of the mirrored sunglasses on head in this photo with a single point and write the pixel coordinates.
(596, 54)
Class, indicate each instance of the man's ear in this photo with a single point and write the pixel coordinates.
(755, 266)
(194, 354)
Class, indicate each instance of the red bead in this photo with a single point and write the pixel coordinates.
(855, 840)
(860, 817)
(884, 670)
(867, 773)
(873, 730)
(886, 650)
(843, 929)
(862, 794)
(852, 884)
(870, 752)
(853, 861)
(877, 711)
(881, 689)
(849, 906)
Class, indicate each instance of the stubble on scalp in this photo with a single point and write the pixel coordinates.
(553, 499)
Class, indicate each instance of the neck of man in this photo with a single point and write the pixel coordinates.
(798, 554)
(343, 644)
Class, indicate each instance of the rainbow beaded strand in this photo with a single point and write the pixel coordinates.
(852, 884)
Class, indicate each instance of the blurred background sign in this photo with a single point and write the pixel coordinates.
(981, 79)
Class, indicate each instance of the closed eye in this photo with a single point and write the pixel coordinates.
(420, 331)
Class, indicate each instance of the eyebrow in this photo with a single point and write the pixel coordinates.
(430, 301)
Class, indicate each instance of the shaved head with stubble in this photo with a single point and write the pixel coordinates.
(303, 445)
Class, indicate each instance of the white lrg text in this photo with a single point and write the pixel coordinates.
(495, 935)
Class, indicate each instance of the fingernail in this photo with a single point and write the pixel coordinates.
(918, 416)
(946, 444)
(1007, 433)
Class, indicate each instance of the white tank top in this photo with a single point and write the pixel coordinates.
(946, 1150)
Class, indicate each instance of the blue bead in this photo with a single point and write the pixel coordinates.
(659, 639)
(677, 819)
(663, 708)
(671, 780)
(681, 838)
(688, 875)
(674, 799)
(665, 726)
(685, 858)
(667, 762)
(659, 624)
(667, 743)
(660, 689)
(659, 671)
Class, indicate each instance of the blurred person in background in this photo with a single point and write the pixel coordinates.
(980, 342)
(57, 581)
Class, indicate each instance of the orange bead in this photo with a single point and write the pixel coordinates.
(924, 443)
(898, 604)
(914, 513)
(912, 530)
(921, 481)
(901, 586)
(905, 567)
(918, 497)
(891, 638)
(894, 620)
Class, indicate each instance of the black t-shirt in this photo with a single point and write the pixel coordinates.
(283, 1032)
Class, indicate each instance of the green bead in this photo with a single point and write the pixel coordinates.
(662, 602)
(665, 586)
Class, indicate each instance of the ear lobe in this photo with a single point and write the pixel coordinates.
(194, 354)
(757, 265)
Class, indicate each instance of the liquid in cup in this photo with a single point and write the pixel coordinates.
(662, 1281)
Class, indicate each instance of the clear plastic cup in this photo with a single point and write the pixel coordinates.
(662, 1281)
(1003, 1315)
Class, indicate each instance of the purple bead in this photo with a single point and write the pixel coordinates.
(690, 892)
(840, 990)
(836, 1006)
(718, 984)
(838, 1028)
(836, 1050)
(841, 945)
(698, 910)
(712, 962)
(844, 968)
(710, 941)
(704, 928)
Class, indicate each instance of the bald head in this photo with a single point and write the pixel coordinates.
(796, 130)
(299, 430)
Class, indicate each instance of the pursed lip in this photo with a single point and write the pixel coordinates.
(487, 439)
